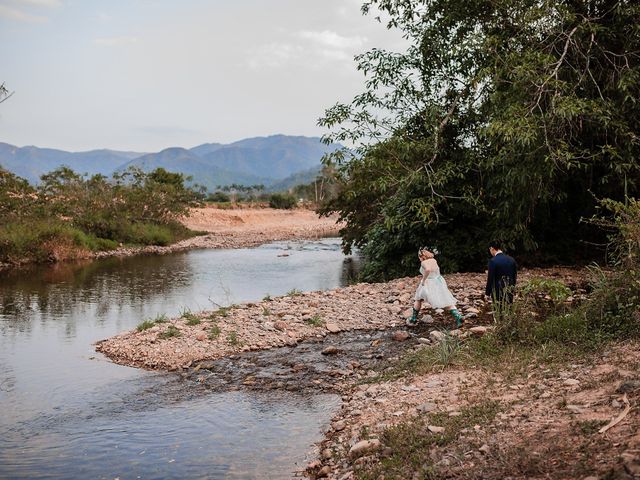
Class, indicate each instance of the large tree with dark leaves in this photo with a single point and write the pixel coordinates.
(503, 119)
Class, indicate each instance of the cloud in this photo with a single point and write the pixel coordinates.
(39, 3)
(20, 16)
(115, 41)
(310, 49)
(14, 9)
(331, 39)
(274, 55)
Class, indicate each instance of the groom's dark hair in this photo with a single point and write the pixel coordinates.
(496, 245)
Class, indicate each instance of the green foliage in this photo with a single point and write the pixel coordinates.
(282, 201)
(412, 444)
(504, 120)
(69, 211)
(214, 332)
(315, 321)
(170, 332)
(190, 318)
(147, 324)
(557, 291)
(233, 340)
(218, 197)
(294, 292)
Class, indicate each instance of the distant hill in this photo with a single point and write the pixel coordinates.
(32, 162)
(299, 178)
(181, 160)
(271, 161)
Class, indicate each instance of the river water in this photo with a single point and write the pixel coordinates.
(67, 412)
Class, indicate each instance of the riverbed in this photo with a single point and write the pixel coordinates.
(68, 412)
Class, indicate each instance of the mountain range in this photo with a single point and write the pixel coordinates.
(278, 161)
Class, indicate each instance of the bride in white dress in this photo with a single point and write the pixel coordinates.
(433, 289)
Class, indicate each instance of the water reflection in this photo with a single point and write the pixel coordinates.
(68, 413)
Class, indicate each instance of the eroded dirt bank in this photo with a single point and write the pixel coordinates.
(224, 228)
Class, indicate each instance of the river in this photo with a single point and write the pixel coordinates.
(67, 412)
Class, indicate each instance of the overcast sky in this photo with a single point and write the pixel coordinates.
(148, 74)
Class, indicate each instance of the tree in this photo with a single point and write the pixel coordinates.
(503, 119)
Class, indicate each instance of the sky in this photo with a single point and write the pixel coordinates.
(143, 75)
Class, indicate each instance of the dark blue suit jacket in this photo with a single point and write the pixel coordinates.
(503, 272)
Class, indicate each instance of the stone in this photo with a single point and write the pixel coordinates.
(478, 330)
(571, 382)
(364, 447)
(484, 449)
(280, 325)
(628, 386)
(407, 313)
(201, 336)
(400, 336)
(339, 426)
(435, 429)
(324, 472)
(332, 327)
(313, 465)
(330, 350)
(326, 454)
(427, 407)
(428, 319)
(437, 336)
(423, 340)
(472, 310)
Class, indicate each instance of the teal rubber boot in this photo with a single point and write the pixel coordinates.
(413, 319)
(458, 316)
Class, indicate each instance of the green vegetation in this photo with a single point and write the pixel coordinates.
(315, 321)
(505, 119)
(233, 340)
(190, 318)
(411, 442)
(68, 213)
(282, 201)
(294, 292)
(214, 332)
(147, 324)
(171, 331)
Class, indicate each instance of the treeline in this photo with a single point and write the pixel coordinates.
(506, 120)
(67, 214)
(323, 188)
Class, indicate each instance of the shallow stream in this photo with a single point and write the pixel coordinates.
(67, 412)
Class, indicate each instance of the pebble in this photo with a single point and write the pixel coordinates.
(401, 336)
(331, 350)
(427, 407)
(437, 336)
(478, 330)
(364, 447)
(435, 429)
(324, 472)
(571, 382)
(332, 327)
(484, 449)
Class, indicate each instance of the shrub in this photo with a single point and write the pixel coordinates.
(282, 201)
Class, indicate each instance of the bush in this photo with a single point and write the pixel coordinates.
(218, 197)
(282, 201)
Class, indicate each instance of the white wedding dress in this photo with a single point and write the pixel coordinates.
(434, 290)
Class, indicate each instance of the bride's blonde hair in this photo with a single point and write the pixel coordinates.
(425, 252)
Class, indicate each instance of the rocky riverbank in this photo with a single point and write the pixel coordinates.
(529, 420)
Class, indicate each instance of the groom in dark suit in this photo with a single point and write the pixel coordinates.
(502, 275)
